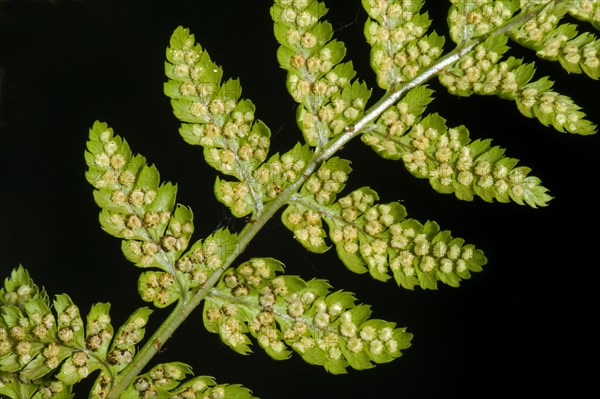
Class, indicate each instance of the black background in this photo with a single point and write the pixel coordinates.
(518, 328)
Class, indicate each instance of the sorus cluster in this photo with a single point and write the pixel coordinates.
(395, 121)
(469, 19)
(396, 32)
(281, 170)
(99, 331)
(51, 389)
(20, 294)
(158, 287)
(69, 323)
(236, 195)
(588, 10)
(315, 78)
(304, 215)
(76, 367)
(422, 255)
(285, 311)
(127, 337)
(307, 226)
(328, 181)
(577, 55)
(481, 72)
(535, 30)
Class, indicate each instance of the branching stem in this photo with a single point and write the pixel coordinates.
(185, 307)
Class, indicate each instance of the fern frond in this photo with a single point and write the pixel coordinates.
(214, 117)
(400, 48)
(168, 381)
(328, 98)
(44, 352)
(284, 312)
(47, 351)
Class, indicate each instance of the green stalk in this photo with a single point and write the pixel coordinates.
(185, 307)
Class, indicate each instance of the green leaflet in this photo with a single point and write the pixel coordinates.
(214, 117)
(448, 158)
(284, 312)
(577, 53)
(136, 206)
(483, 72)
(316, 79)
(139, 209)
(49, 350)
(586, 10)
(550, 108)
(378, 238)
(399, 47)
(27, 332)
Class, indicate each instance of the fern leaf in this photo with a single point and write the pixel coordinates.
(155, 232)
(483, 72)
(400, 48)
(378, 238)
(45, 351)
(535, 99)
(317, 80)
(577, 53)
(448, 158)
(284, 312)
(214, 117)
(137, 208)
(586, 10)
